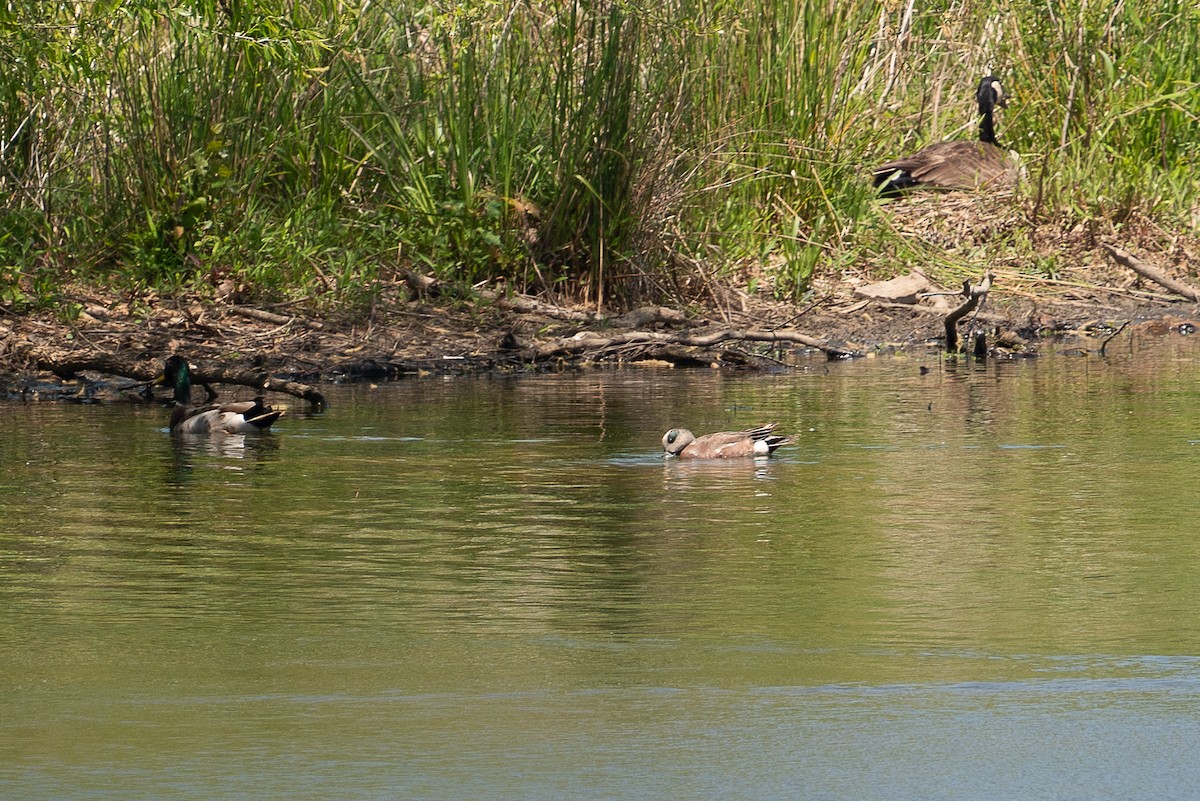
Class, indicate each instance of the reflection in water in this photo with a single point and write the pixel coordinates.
(718, 470)
(226, 451)
(965, 583)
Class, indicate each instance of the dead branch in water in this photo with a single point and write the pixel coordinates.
(147, 372)
(974, 296)
(1110, 337)
(1153, 273)
(247, 378)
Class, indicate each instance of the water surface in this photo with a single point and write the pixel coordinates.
(973, 583)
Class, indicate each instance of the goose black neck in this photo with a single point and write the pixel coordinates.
(987, 129)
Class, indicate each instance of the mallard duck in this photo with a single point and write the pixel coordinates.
(218, 418)
(723, 445)
(956, 165)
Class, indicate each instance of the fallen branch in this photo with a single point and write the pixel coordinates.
(1010, 277)
(246, 378)
(523, 304)
(590, 341)
(974, 295)
(526, 305)
(1153, 273)
(271, 317)
(68, 365)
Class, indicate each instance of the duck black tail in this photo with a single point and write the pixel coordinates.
(261, 415)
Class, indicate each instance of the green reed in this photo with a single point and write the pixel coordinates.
(612, 151)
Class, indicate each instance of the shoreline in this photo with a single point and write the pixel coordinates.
(114, 341)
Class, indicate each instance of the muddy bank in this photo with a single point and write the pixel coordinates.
(99, 344)
(111, 343)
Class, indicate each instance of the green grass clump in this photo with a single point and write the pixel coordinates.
(610, 151)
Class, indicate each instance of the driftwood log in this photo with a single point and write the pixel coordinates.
(973, 296)
(247, 378)
(587, 341)
(147, 372)
(1152, 273)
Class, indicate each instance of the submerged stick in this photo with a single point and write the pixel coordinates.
(1110, 337)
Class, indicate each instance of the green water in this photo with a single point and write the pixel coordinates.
(974, 583)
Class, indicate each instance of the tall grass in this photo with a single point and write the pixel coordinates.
(609, 150)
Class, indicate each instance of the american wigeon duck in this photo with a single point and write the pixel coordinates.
(218, 418)
(723, 445)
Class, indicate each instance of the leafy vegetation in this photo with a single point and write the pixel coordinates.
(614, 150)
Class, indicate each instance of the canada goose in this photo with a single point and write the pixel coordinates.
(723, 445)
(218, 418)
(955, 165)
